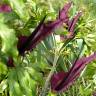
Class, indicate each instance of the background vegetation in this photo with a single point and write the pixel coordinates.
(29, 75)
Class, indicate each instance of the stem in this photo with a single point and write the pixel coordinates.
(47, 82)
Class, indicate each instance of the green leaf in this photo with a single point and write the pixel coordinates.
(85, 92)
(3, 86)
(38, 77)
(10, 17)
(20, 83)
(49, 42)
(27, 84)
(8, 40)
(14, 86)
(1, 18)
(3, 68)
(20, 8)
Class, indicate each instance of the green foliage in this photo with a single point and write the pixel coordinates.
(20, 83)
(20, 8)
(30, 73)
(8, 40)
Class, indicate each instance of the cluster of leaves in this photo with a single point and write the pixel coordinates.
(31, 71)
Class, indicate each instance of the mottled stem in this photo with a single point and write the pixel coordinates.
(47, 82)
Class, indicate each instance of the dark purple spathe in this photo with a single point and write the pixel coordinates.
(27, 43)
(62, 80)
(71, 26)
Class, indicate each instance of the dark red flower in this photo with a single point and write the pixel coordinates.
(27, 43)
(5, 8)
(72, 24)
(63, 13)
(71, 27)
(62, 80)
(42, 31)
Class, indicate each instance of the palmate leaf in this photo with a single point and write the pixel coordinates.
(49, 42)
(8, 40)
(25, 82)
(13, 84)
(38, 76)
(20, 83)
